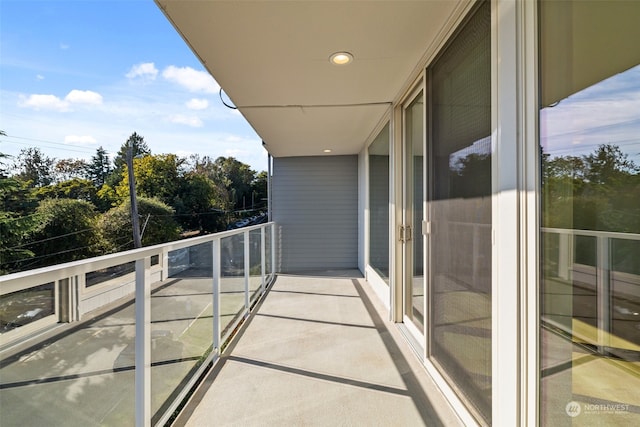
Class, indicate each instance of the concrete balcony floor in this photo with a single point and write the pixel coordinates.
(319, 351)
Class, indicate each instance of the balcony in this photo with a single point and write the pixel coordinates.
(202, 331)
(123, 339)
(318, 351)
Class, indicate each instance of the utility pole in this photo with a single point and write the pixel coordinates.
(135, 219)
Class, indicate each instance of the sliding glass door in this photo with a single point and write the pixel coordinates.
(459, 212)
(590, 216)
(410, 231)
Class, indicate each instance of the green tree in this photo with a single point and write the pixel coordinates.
(76, 188)
(106, 198)
(237, 185)
(198, 204)
(14, 226)
(99, 168)
(66, 169)
(116, 229)
(65, 231)
(156, 176)
(597, 191)
(139, 148)
(34, 167)
(608, 166)
(259, 190)
(235, 178)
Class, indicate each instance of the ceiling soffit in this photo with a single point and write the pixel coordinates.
(272, 60)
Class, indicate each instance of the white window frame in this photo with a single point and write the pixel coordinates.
(515, 300)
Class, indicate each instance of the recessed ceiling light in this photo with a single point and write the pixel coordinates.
(341, 58)
(327, 150)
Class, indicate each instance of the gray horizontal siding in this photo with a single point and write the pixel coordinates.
(315, 206)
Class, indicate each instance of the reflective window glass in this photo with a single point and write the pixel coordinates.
(379, 204)
(590, 236)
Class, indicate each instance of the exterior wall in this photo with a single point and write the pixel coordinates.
(315, 207)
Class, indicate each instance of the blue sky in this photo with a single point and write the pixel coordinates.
(76, 75)
(607, 112)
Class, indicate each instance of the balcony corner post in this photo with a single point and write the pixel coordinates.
(247, 266)
(216, 294)
(263, 261)
(143, 342)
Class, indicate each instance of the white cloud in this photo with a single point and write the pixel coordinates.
(84, 97)
(53, 103)
(80, 139)
(186, 120)
(64, 46)
(44, 102)
(39, 77)
(191, 79)
(197, 104)
(145, 70)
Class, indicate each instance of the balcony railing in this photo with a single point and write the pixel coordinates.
(592, 284)
(121, 339)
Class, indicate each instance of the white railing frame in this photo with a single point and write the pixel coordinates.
(566, 247)
(72, 276)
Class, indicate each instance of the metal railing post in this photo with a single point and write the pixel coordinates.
(603, 293)
(216, 294)
(143, 342)
(75, 298)
(565, 255)
(164, 259)
(247, 267)
(263, 261)
(273, 249)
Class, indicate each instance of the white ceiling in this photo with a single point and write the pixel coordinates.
(271, 59)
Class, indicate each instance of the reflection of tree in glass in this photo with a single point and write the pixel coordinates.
(598, 191)
(471, 176)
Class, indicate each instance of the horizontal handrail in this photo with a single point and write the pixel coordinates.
(199, 319)
(592, 233)
(29, 278)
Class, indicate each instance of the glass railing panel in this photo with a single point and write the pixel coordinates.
(255, 264)
(20, 308)
(181, 324)
(193, 261)
(82, 376)
(569, 288)
(232, 282)
(88, 367)
(108, 274)
(624, 340)
(268, 238)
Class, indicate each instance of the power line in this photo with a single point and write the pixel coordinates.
(63, 145)
(50, 255)
(51, 238)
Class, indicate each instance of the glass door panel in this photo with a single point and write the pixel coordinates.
(379, 204)
(590, 214)
(459, 212)
(413, 211)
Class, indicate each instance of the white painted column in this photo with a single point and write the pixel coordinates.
(216, 294)
(263, 260)
(143, 343)
(247, 267)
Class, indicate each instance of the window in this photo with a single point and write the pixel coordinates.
(379, 204)
(459, 211)
(590, 237)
